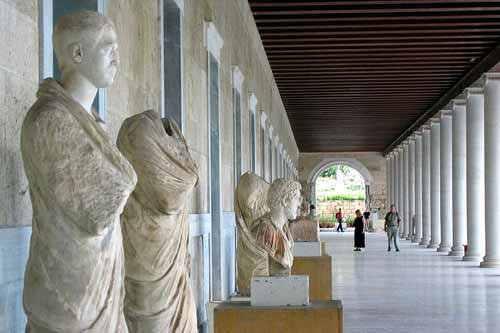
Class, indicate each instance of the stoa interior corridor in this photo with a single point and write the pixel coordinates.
(414, 290)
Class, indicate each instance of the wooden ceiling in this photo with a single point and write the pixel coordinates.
(354, 75)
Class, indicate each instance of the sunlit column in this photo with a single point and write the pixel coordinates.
(406, 194)
(492, 169)
(435, 185)
(418, 187)
(459, 186)
(445, 178)
(401, 182)
(426, 185)
(411, 188)
(475, 174)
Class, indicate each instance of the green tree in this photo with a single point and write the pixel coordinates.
(332, 171)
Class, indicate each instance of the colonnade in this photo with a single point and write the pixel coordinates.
(444, 179)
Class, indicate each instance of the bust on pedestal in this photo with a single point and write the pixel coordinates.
(79, 183)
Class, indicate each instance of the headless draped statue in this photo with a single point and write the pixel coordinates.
(264, 239)
(155, 227)
(79, 183)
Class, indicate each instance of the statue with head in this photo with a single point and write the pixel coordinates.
(271, 230)
(79, 183)
(86, 47)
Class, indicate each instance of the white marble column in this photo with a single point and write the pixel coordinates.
(401, 182)
(411, 188)
(435, 185)
(445, 178)
(426, 185)
(459, 185)
(388, 181)
(475, 174)
(396, 178)
(418, 187)
(406, 193)
(492, 169)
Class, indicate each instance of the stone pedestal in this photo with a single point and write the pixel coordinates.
(241, 317)
(320, 272)
(307, 249)
(280, 290)
(323, 248)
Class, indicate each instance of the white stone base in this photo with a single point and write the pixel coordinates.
(280, 290)
(307, 249)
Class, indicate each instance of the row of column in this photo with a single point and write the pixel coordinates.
(445, 178)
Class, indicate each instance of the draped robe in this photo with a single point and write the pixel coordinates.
(278, 242)
(251, 197)
(79, 183)
(155, 227)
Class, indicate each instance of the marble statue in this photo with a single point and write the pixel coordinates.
(271, 230)
(250, 204)
(155, 227)
(79, 183)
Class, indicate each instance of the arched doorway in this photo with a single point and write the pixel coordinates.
(350, 162)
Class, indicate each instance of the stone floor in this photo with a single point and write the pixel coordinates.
(415, 290)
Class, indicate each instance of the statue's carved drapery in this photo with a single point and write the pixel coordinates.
(155, 226)
(79, 183)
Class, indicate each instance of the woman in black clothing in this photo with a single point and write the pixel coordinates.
(359, 231)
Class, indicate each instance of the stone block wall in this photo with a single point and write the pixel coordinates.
(349, 207)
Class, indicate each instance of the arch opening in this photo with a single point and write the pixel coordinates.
(348, 162)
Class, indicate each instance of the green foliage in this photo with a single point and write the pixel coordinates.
(332, 171)
(346, 196)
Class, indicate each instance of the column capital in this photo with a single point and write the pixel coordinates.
(425, 128)
(435, 121)
(491, 76)
(445, 113)
(460, 100)
(411, 139)
(418, 133)
(474, 91)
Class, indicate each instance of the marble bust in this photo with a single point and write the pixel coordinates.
(155, 226)
(271, 231)
(250, 204)
(79, 183)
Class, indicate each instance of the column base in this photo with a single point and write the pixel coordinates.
(415, 240)
(444, 249)
(490, 263)
(472, 258)
(432, 246)
(408, 238)
(424, 242)
(456, 253)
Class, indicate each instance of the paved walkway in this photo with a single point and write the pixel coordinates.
(415, 290)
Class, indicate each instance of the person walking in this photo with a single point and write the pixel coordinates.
(359, 231)
(339, 218)
(391, 226)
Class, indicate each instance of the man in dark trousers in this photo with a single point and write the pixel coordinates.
(339, 218)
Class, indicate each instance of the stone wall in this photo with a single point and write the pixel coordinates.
(137, 88)
(18, 82)
(330, 208)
